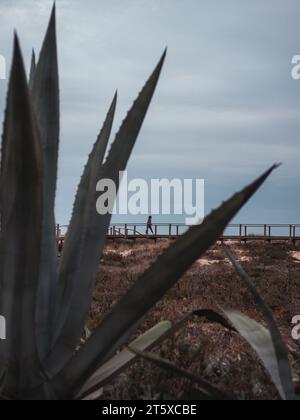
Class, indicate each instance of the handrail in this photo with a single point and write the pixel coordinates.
(242, 231)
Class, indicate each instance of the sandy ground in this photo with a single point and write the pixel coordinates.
(295, 255)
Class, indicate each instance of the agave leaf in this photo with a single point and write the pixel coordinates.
(76, 245)
(210, 391)
(261, 341)
(208, 314)
(2, 381)
(147, 341)
(45, 93)
(125, 358)
(281, 354)
(80, 275)
(151, 287)
(94, 396)
(213, 317)
(78, 235)
(21, 192)
(32, 69)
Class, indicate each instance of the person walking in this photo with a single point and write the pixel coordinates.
(149, 226)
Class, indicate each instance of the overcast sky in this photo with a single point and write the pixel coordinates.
(226, 107)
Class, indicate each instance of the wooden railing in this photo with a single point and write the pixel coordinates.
(234, 232)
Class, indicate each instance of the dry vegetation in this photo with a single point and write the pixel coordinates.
(217, 355)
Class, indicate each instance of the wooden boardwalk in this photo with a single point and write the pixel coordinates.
(234, 232)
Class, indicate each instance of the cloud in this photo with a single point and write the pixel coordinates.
(225, 104)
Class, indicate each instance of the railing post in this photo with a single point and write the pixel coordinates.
(170, 231)
(155, 233)
(241, 232)
(265, 232)
(291, 233)
(177, 231)
(126, 232)
(294, 235)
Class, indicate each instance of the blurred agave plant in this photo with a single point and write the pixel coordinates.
(46, 305)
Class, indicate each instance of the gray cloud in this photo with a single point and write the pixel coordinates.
(226, 106)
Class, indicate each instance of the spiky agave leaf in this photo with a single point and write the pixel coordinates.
(32, 69)
(150, 288)
(45, 93)
(21, 201)
(77, 240)
(283, 373)
(80, 276)
(78, 235)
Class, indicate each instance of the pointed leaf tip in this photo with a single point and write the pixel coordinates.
(158, 68)
(17, 48)
(17, 62)
(52, 21)
(252, 188)
(272, 169)
(115, 98)
(32, 69)
(53, 12)
(163, 57)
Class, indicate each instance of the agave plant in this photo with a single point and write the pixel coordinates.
(266, 342)
(45, 303)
